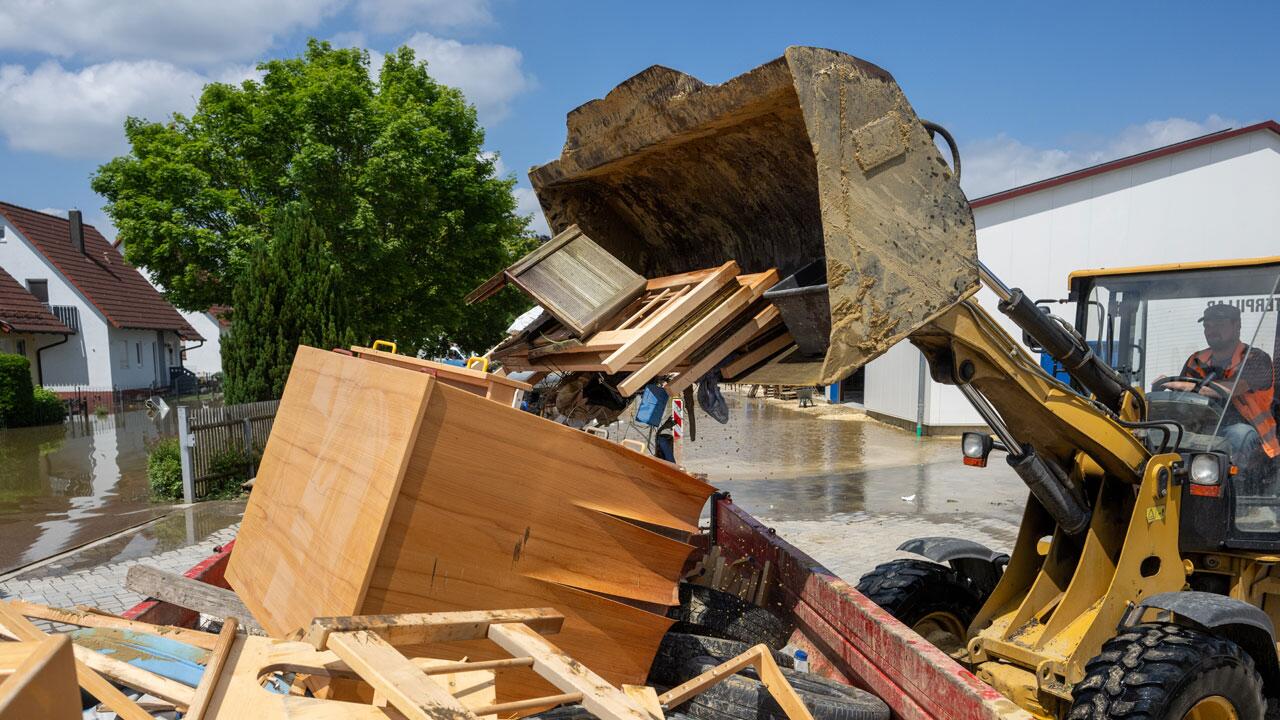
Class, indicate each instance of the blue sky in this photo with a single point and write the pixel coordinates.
(1029, 89)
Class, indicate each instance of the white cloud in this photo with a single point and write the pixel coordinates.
(387, 16)
(489, 75)
(199, 33)
(81, 113)
(60, 212)
(527, 204)
(1002, 162)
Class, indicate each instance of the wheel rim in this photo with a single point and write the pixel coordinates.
(945, 631)
(1214, 707)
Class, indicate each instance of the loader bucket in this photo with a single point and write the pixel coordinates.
(814, 156)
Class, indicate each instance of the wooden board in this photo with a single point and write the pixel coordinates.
(449, 374)
(329, 474)
(763, 321)
(687, 339)
(42, 681)
(191, 594)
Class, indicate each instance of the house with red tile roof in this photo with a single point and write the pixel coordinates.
(120, 332)
(27, 325)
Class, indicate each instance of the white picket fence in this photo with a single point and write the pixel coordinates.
(207, 434)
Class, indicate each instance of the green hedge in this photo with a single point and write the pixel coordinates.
(17, 399)
(48, 408)
(20, 404)
(164, 470)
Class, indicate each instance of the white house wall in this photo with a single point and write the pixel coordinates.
(81, 361)
(1217, 201)
(207, 358)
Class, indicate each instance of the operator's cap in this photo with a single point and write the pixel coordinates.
(1221, 311)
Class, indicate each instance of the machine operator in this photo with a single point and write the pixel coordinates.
(1248, 424)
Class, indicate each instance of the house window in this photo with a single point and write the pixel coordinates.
(22, 347)
(138, 349)
(123, 354)
(1, 233)
(39, 288)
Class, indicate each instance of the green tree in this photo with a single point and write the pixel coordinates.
(291, 295)
(392, 173)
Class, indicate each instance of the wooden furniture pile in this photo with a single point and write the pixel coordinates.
(337, 668)
(677, 327)
(384, 490)
(490, 386)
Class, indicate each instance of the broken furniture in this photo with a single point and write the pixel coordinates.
(681, 325)
(487, 385)
(383, 490)
(573, 278)
(38, 680)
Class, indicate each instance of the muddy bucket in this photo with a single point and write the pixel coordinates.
(815, 157)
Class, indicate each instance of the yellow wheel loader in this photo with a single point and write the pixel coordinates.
(1142, 583)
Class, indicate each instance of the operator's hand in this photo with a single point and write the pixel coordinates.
(1182, 385)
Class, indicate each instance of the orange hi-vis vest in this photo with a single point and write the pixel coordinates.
(1254, 405)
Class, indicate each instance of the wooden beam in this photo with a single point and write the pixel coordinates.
(763, 321)
(752, 287)
(531, 703)
(759, 657)
(670, 316)
(568, 675)
(756, 355)
(43, 683)
(20, 628)
(190, 594)
(135, 677)
(212, 670)
(405, 686)
(425, 628)
(88, 618)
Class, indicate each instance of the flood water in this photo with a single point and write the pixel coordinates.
(66, 485)
(784, 463)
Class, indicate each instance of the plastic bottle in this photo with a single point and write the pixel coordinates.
(802, 661)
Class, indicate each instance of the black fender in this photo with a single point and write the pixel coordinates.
(975, 561)
(1238, 621)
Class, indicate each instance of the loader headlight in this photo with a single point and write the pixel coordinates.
(976, 447)
(1206, 469)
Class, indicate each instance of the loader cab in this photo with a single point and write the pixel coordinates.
(1149, 322)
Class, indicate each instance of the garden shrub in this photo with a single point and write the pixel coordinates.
(17, 400)
(164, 470)
(48, 408)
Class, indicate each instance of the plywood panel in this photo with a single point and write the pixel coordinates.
(471, 531)
(328, 476)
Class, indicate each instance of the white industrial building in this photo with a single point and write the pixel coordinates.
(1211, 198)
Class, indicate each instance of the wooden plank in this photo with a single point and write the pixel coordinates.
(18, 627)
(212, 670)
(598, 696)
(453, 372)
(647, 698)
(752, 287)
(671, 316)
(400, 681)
(239, 693)
(530, 704)
(191, 594)
(135, 677)
(771, 677)
(43, 683)
(756, 355)
(330, 474)
(669, 281)
(89, 618)
(763, 321)
(424, 628)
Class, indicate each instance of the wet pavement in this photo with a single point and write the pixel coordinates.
(848, 489)
(64, 486)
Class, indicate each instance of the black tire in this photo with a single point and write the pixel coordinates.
(1155, 671)
(720, 614)
(743, 697)
(914, 590)
(678, 649)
